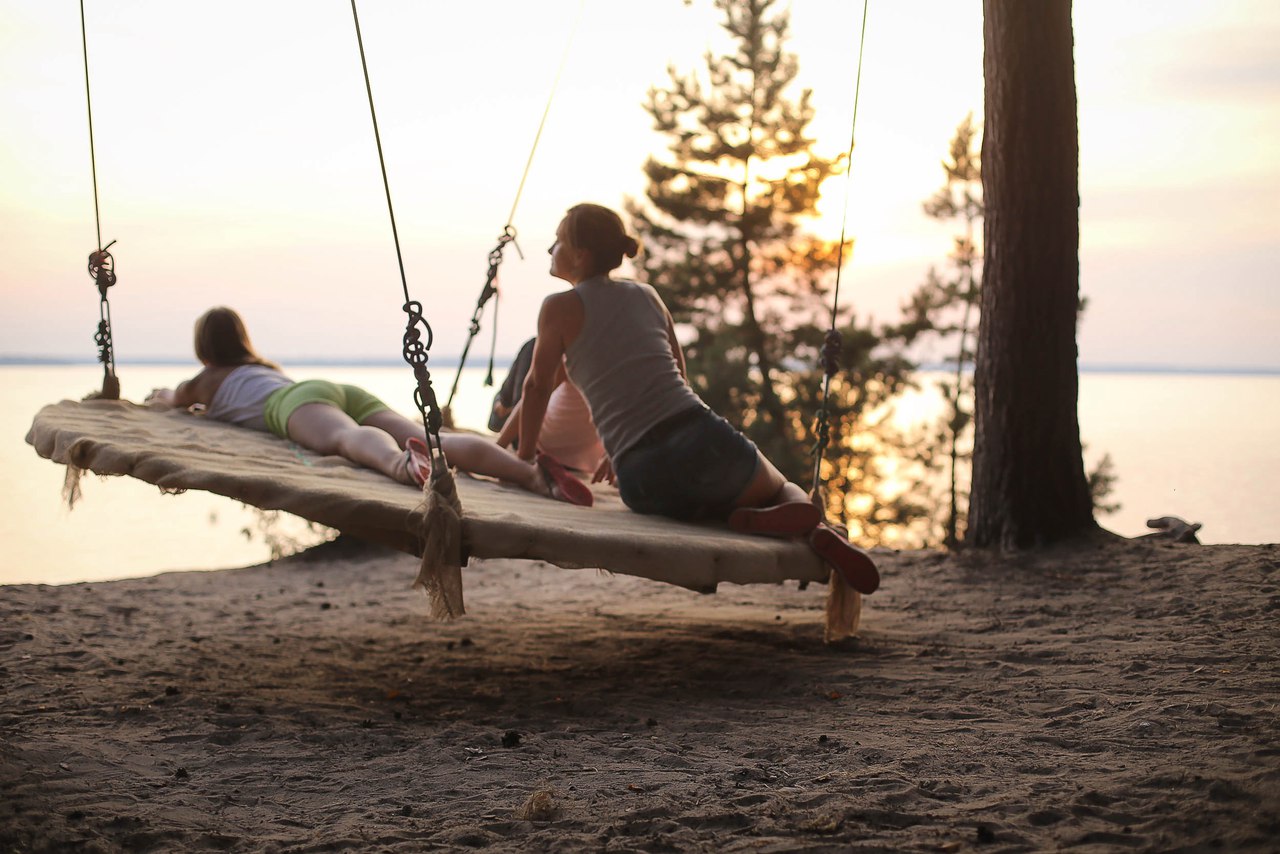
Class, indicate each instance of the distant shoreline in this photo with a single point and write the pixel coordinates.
(451, 362)
(179, 361)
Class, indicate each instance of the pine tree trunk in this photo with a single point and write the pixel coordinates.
(1029, 485)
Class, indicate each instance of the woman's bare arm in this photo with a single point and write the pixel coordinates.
(511, 427)
(199, 389)
(559, 322)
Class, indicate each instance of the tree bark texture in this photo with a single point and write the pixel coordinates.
(1029, 486)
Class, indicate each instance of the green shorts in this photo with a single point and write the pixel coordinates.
(351, 399)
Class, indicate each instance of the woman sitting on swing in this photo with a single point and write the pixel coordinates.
(669, 453)
(239, 386)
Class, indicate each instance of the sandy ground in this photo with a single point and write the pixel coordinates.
(1112, 696)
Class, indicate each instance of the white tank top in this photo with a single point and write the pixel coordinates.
(242, 395)
(623, 364)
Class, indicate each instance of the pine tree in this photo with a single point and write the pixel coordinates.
(1029, 484)
(725, 246)
(946, 305)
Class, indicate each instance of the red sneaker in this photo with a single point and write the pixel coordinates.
(564, 486)
(419, 460)
(854, 565)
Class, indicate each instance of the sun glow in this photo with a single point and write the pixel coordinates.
(255, 181)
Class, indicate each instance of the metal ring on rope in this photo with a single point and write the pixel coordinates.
(102, 270)
(489, 291)
(415, 353)
(101, 264)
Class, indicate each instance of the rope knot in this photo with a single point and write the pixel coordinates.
(103, 339)
(495, 254)
(491, 277)
(832, 345)
(822, 428)
(488, 292)
(415, 353)
(415, 350)
(831, 348)
(425, 396)
(102, 268)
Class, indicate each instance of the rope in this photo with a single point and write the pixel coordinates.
(490, 290)
(414, 348)
(102, 271)
(834, 341)
(508, 235)
(101, 264)
(555, 84)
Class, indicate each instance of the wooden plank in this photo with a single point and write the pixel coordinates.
(178, 451)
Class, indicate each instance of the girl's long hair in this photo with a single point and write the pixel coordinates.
(223, 341)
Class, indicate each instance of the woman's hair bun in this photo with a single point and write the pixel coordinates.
(601, 232)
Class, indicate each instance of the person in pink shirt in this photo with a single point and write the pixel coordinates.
(568, 433)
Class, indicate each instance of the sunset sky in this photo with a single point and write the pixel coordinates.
(236, 162)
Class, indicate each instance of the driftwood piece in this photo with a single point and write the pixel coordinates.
(1173, 528)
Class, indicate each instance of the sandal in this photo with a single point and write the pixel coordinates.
(417, 460)
(792, 519)
(562, 485)
(852, 563)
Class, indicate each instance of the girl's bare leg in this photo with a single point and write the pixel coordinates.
(475, 454)
(479, 455)
(326, 429)
(399, 427)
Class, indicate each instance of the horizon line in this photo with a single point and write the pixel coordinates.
(19, 360)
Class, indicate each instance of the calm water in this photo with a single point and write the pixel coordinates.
(1202, 447)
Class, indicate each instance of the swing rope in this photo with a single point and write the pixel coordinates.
(490, 290)
(101, 264)
(834, 341)
(508, 235)
(414, 348)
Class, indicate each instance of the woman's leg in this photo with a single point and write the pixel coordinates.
(772, 505)
(395, 424)
(474, 454)
(479, 455)
(326, 429)
(470, 453)
(768, 487)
